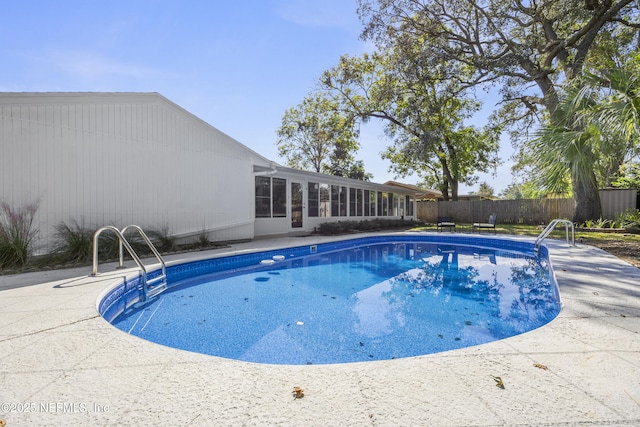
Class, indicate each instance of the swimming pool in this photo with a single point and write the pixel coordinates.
(373, 298)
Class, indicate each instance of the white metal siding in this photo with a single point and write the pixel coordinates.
(123, 159)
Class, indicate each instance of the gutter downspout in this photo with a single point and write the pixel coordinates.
(268, 172)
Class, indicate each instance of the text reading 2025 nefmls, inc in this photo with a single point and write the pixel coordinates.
(52, 407)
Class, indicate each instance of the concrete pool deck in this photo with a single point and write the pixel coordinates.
(62, 364)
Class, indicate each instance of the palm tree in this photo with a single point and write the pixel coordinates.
(596, 118)
(620, 115)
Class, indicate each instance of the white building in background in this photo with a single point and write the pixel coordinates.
(137, 158)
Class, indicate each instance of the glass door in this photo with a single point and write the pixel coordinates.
(296, 205)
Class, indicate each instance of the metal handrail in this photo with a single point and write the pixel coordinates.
(146, 240)
(549, 228)
(124, 242)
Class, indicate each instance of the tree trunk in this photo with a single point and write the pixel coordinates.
(444, 188)
(587, 199)
(449, 180)
(454, 190)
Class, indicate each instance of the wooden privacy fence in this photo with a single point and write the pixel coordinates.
(523, 211)
(615, 200)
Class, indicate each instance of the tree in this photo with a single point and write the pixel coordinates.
(597, 129)
(485, 190)
(629, 176)
(614, 110)
(562, 148)
(512, 192)
(423, 110)
(354, 170)
(530, 48)
(618, 111)
(315, 136)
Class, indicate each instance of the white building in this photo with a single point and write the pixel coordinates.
(137, 158)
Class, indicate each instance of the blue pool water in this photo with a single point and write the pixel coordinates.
(371, 300)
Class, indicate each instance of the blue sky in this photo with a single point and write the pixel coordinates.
(237, 65)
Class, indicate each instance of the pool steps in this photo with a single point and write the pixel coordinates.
(549, 228)
(150, 287)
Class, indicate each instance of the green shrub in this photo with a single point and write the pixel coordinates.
(109, 246)
(628, 219)
(341, 227)
(203, 240)
(162, 240)
(331, 228)
(17, 234)
(600, 223)
(74, 243)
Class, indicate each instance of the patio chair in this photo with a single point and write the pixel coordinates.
(445, 222)
(486, 225)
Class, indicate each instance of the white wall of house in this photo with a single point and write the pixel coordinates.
(99, 159)
(123, 158)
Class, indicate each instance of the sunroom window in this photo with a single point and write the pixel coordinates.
(271, 197)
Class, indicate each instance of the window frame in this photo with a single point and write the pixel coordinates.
(262, 197)
(270, 197)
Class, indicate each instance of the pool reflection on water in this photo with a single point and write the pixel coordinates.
(372, 302)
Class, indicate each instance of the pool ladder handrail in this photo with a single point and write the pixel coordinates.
(549, 228)
(150, 287)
